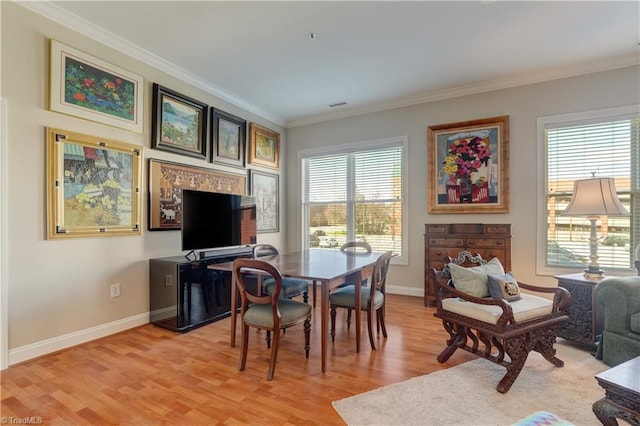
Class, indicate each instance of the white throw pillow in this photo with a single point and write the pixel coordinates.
(473, 280)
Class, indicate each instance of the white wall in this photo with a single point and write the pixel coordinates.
(523, 105)
(58, 290)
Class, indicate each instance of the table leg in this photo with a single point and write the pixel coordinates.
(358, 311)
(604, 412)
(608, 411)
(324, 319)
(234, 311)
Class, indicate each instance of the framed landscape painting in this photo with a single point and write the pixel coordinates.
(93, 186)
(469, 166)
(179, 123)
(228, 138)
(88, 87)
(264, 146)
(265, 188)
(166, 182)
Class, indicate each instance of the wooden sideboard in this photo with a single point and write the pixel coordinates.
(442, 240)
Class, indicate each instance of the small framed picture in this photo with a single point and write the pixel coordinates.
(264, 146)
(265, 188)
(228, 138)
(87, 87)
(179, 123)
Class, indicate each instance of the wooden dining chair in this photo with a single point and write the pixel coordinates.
(372, 298)
(291, 287)
(268, 312)
(352, 247)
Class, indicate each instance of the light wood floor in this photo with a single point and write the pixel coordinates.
(152, 376)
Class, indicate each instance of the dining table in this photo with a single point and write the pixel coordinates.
(328, 268)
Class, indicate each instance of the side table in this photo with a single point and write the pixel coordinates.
(622, 394)
(586, 318)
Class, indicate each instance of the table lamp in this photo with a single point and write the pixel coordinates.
(594, 198)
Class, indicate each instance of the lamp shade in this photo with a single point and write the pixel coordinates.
(595, 197)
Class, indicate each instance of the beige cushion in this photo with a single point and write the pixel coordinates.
(473, 280)
(291, 311)
(528, 307)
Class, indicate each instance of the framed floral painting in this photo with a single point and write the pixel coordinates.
(88, 87)
(93, 186)
(469, 166)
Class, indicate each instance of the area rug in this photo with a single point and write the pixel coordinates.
(466, 394)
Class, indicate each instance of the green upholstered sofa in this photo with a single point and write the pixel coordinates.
(620, 340)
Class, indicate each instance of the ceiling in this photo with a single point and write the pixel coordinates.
(371, 55)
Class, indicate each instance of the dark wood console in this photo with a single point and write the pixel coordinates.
(586, 317)
(185, 294)
(441, 240)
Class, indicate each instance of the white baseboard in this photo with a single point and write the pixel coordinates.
(48, 346)
(405, 291)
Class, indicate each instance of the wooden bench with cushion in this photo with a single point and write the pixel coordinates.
(479, 303)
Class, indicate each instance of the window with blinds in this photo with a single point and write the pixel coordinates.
(600, 147)
(354, 196)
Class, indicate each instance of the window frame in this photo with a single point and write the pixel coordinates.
(565, 120)
(396, 141)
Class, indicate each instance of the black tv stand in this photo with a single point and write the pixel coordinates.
(184, 293)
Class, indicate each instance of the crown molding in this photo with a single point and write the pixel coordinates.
(573, 70)
(61, 16)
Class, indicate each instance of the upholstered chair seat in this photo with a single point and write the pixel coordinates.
(346, 297)
(291, 287)
(261, 316)
(528, 307)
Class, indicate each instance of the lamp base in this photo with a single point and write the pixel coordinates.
(594, 274)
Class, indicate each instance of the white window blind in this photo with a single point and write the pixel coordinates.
(606, 147)
(354, 196)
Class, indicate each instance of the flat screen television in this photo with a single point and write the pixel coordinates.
(212, 220)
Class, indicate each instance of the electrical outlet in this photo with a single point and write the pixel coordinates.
(167, 281)
(115, 290)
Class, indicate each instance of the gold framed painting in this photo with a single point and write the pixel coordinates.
(93, 186)
(166, 182)
(469, 166)
(264, 146)
(88, 87)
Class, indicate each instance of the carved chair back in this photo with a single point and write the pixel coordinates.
(355, 247)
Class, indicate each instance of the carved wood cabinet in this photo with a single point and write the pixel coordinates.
(586, 317)
(441, 240)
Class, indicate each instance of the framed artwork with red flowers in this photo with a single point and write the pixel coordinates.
(87, 87)
(469, 166)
